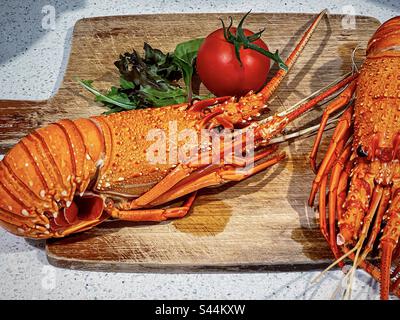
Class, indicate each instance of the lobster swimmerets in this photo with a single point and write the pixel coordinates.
(72, 175)
(363, 163)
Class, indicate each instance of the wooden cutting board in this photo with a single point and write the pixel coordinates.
(258, 224)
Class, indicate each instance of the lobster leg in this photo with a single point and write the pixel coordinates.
(375, 201)
(342, 188)
(377, 224)
(322, 208)
(357, 202)
(341, 196)
(336, 105)
(335, 177)
(373, 206)
(389, 241)
(183, 171)
(215, 176)
(176, 175)
(340, 135)
(154, 214)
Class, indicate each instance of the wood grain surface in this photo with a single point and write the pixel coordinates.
(261, 223)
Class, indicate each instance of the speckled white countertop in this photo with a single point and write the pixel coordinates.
(32, 63)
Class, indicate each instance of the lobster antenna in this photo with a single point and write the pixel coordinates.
(353, 60)
(318, 278)
(310, 131)
(296, 105)
(352, 272)
(273, 84)
(338, 287)
(356, 263)
(314, 94)
(357, 247)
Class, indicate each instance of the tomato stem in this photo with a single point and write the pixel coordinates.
(241, 40)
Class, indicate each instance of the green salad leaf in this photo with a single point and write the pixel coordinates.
(184, 56)
(151, 80)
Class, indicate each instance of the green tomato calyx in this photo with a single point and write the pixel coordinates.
(241, 40)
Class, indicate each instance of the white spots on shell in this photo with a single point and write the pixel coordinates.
(25, 212)
(121, 179)
(69, 178)
(42, 193)
(107, 184)
(10, 208)
(26, 164)
(55, 214)
(20, 230)
(88, 157)
(47, 226)
(64, 193)
(30, 183)
(68, 204)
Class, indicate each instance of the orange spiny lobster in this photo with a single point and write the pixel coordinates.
(363, 163)
(71, 175)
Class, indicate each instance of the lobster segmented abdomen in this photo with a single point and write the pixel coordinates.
(42, 173)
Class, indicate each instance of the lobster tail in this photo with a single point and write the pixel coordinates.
(387, 37)
(41, 174)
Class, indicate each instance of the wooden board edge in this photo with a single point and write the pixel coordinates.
(117, 266)
(124, 16)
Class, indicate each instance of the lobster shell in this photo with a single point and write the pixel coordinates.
(363, 163)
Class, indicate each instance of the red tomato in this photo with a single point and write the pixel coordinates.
(220, 70)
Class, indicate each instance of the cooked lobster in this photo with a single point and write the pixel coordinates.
(362, 161)
(71, 175)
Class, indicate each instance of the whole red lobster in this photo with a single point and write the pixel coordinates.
(362, 160)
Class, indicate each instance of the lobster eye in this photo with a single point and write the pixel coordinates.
(361, 152)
